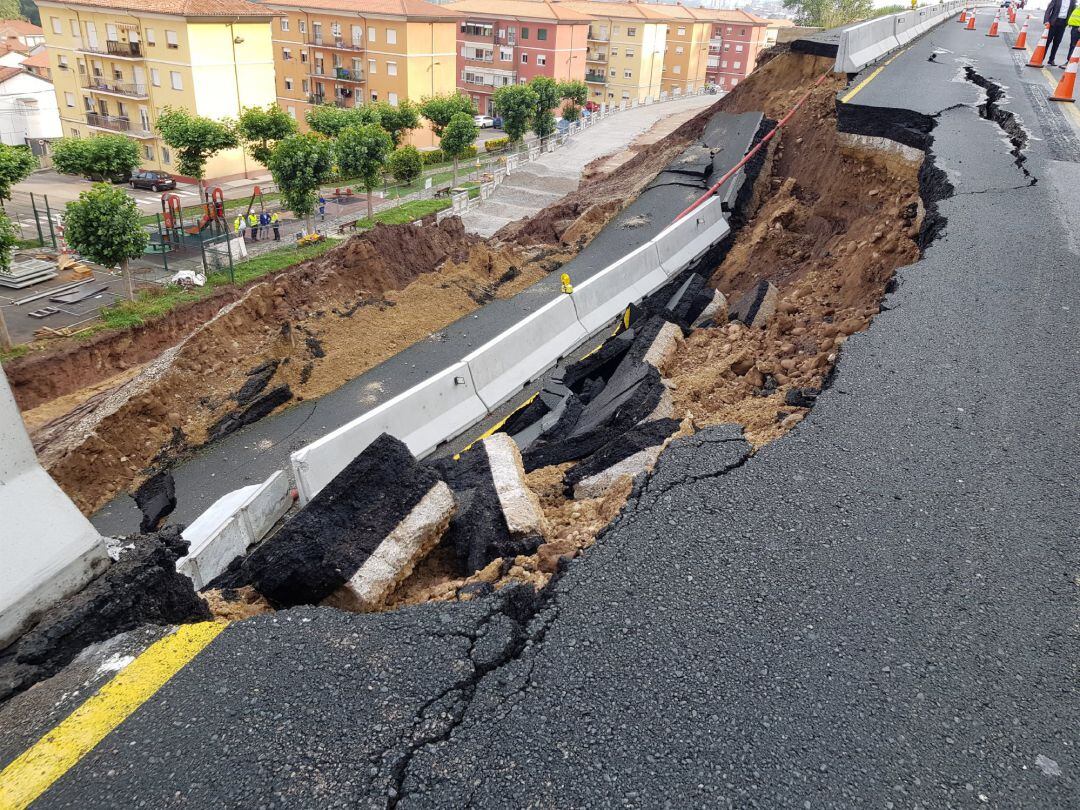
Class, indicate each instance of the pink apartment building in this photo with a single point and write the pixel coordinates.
(737, 38)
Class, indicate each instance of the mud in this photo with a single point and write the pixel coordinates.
(142, 587)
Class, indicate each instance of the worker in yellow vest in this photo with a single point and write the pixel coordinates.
(253, 223)
(275, 223)
(240, 225)
(1074, 30)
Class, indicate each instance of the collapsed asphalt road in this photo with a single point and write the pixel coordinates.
(878, 609)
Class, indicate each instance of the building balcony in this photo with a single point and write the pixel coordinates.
(347, 74)
(117, 50)
(595, 78)
(595, 57)
(316, 98)
(335, 43)
(114, 123)
(98, 84)
(598, 36)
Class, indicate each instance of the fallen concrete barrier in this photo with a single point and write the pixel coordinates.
(231, 525)
(602, 297)
(381, 496)
(49, 549)
(422, 417)
(687, 239)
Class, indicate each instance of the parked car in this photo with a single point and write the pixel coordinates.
(498, 122)
(484, 121)
(155, 181)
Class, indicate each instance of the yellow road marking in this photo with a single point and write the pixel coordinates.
(854, 91)
(31, 774)
(493, 429)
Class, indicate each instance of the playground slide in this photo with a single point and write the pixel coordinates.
(203, 224)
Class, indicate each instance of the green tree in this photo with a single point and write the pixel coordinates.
(440, 110)
(829, 13)
(516, 104)
(331, 120)
(29, 11)
(406, 164)
(548, 95)
(397, 120)
(10, 10)
(101, 157)
(104, 226)
(361, 153)
(195, 139)
(8, 240)
(260, 128)
(16, 163)
(576, 94)
(457, 137)
(300, 164)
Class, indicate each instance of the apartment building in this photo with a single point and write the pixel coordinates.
(687, 51)
(737, 39)
(117, 63)
(625, 59)
(503, 42)
(352, 52)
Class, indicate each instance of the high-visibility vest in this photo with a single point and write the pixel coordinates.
(274, 218)
(252, 220)
(1074, 18)
(238, 223)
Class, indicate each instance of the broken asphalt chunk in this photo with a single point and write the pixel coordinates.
(757, 307)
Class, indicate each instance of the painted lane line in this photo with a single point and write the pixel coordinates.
(37, 768)
(855, 90)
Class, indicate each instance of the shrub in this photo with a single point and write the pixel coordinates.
(405, 164)
(496, 144)
(434, 156)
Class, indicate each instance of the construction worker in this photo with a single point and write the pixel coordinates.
(253, 223)
(1074, 29)
(1057, 14)
(264, 224)
(275, 221)
(240, 225)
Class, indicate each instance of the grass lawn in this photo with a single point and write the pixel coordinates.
(404, 213)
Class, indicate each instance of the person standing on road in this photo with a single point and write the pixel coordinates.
(1057, 14)
(253, 223)
(1074, 29)
(240, 224)
(275, 221)
(264, 224)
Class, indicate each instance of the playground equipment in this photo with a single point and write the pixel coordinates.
(213, 212)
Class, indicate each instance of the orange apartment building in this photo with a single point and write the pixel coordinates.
(352, 52)
(737, 39)
(503, 42)
(686, 50)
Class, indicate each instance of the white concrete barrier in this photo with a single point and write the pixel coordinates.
(867, 42)
(535, 343)
(47, 548)
(422, 417)
(602, 297)
(688, 238)
(232, 524)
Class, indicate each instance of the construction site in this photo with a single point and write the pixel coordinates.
(425, 427)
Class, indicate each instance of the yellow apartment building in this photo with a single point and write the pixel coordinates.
(117, 63)
(352, 52)
(625, 58)
(686, 55)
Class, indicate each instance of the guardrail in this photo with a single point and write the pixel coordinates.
(867, 42)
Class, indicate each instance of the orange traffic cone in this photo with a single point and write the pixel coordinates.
(963, 15)
(1012, 16)
(1066, 88)
(994, 26)
(1021, 41)
(1039, 56)
(971, 22)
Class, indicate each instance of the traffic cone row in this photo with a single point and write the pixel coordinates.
(1066, 89)
(963, 15)
(1021, 41)
(993, 32)
(1012, 15)
(1039, 56)
(971, 22)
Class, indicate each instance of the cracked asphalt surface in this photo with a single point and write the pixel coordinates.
(879, 609)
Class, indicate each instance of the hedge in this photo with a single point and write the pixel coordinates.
(496, 144)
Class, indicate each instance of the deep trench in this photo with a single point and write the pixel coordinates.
(1006, 120)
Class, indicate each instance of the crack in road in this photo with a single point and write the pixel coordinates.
(1006, 120)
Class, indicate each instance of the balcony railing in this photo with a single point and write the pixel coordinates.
(122, 50)
(595, 57)
(114, 123)
(316, 98)
(348, 74)
(598, 78)
(100, 85)
(337, 43)
(599, 36)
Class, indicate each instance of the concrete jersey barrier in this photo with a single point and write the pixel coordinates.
(602, 297)
(422, 417)
(867, 42)
(687, 239)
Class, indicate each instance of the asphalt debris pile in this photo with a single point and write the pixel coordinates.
(142, 586)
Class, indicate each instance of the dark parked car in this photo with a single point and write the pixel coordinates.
(155, 181)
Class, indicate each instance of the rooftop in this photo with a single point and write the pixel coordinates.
(389, 8)
(19, 28)
(625, 11)
(38, 60)
(527, 9)
(180, 8)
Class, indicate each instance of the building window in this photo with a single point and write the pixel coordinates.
(371, 66)
(524, 33)
(69, 99)
(288, 83)
(56, 27)
(541, 59)
(631, 31)
(629, 53)
(74, 133)
(305, 86)
(303, 57)
(302, 25)
(614, 51)
(738, 49)
(392, 98)
(677, 69)
(506, 55)
(166, 156)
(541, 34)
(75, 28)
(723, 63)
(286, 54)
(681, 30)
(151, 37)
(148, 151)
(727, 46)
(291, 111)
(678, 49)
(614, 30)
(742, 32)
(391, 68)
(628, 74)
(391, 36)
(734, 81)
(372, 35)
(155, 77)
(524, 59)
(170, 39)
(62, 62)
(175, 80)
(284, 23)
(729, 29)
(374, 96)
(737, 65)
(613, 74)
